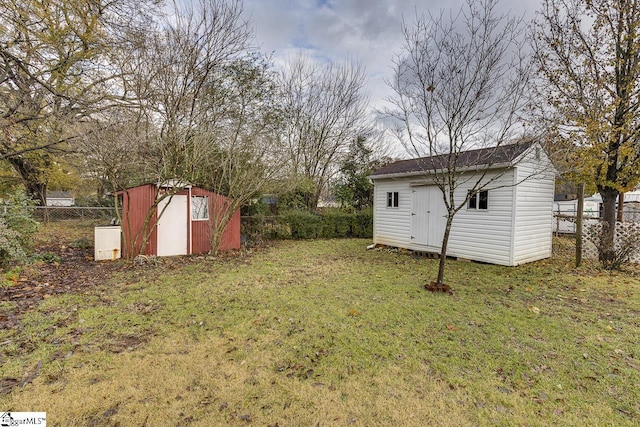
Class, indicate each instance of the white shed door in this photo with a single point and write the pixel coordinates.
(172, 226)
(428, 216)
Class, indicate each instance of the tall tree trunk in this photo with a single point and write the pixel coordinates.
(312, 198)
(443, 250)
(607, 249)
(620, 217)
(30, 178)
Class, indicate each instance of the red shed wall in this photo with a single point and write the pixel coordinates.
(136, 202)
(231, 237)
(201, 230)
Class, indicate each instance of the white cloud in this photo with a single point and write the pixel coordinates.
(367, 30)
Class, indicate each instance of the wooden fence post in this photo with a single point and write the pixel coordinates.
(579, 215)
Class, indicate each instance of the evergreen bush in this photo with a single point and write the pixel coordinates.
(304, 225)
(298, 224)
(362, 224)
(16, 228)
(10, 247)
(337, 224)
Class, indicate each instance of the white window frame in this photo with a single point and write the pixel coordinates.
(393, 199)
(197, 204)
(474, 201)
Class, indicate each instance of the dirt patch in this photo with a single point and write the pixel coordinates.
(62, 269)
(438, 287)
(120, 343)
(71, 271)
(64, 265)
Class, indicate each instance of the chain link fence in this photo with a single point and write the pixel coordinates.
(46, 214)
(564, 217)
(566, 223)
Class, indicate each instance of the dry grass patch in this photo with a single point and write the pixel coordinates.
(325, 332)
(201, 384)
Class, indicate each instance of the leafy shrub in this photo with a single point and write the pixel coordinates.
(10, 247)
(304, 225)
(15, 213)
(337, 224)
(258, 208)
(16, 228)
(82, 243)
(47, 257)
(256, 228)
(362, 224)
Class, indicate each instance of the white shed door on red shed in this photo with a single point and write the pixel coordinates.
(172, 226)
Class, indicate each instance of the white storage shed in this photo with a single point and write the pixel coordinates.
(510, 222)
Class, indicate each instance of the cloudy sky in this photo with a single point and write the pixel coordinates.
(368, 30)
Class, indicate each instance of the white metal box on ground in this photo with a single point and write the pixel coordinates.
(107, 242)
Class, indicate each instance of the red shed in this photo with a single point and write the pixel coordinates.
(185, 225)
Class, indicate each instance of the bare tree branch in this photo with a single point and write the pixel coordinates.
(460, 84)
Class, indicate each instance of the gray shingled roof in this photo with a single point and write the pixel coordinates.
(59, 195)
(504, 154)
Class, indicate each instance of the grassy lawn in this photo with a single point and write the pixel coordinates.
(328, 333)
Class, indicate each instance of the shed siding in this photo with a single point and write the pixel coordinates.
(392, 226)
(231, 236)
(136, 202)
(533, 210)
(484, 235)
(516, 228)
(201, 230)
(475, 234)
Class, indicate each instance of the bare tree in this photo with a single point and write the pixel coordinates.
(325, 109)
(588, 54)
(156, 136)
(460, 84)
(181, 61)
(238, 148)
(116, 151)
(56, 69)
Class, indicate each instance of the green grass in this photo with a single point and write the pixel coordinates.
(327, 332)
(9, 278)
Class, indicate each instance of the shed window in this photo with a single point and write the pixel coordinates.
(392, 199)
(479, 200)
(199, 207)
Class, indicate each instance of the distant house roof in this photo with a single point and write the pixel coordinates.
(59, 195)
(563, 197)
(502, 155)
